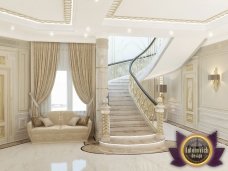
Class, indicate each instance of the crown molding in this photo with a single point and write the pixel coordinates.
(68, 4)
(116, 4)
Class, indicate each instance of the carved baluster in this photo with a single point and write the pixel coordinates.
(105, 111)
(160, 109)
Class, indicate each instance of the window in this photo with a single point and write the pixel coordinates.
(59, 92)
(64, 96)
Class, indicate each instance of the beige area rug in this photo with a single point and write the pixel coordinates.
(92, 147)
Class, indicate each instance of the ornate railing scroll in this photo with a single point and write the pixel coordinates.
(145, 103)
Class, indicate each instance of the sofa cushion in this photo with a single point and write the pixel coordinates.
(83, 121)
(47, 122)
(37, 122)
(73, 121)
(56, 129)
(61, 117)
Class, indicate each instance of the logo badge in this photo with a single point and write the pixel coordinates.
(196, 150)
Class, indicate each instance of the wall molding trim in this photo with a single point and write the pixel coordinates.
(220, 140)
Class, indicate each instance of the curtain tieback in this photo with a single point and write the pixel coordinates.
(33, 100)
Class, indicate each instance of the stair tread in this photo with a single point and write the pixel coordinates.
(130, 133)
(125, 118)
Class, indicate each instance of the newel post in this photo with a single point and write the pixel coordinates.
(105, 111)
(160, 109)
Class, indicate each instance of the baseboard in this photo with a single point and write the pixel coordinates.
(220, 140)
(14, 143)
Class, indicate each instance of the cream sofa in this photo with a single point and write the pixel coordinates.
(60, 132)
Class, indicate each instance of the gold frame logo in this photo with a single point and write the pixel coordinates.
(199, 152)
(196, 150)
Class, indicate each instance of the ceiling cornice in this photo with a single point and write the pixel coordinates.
(68, 4)
(116, 4)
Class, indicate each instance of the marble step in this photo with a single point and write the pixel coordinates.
(118, 91)
(118, 81)
(141, 139)
(125, 85)
(121, 103)
(117, 98)
(119, 94)
(130, 128)
(134, 144)
(123, 108)
(118, 86)
(125, 113)
(128, 123)
(115, 118)
(130, 133)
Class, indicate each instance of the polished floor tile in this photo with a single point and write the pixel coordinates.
(69, 157)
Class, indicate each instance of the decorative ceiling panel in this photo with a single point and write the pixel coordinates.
(42, 11)
(171, 11)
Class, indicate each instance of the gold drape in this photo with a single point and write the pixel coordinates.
(45, 59)
(82, 61)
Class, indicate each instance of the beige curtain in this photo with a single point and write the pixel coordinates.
(82, 61)
(44, 64)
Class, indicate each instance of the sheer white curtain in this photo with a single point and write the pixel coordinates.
(63, 96)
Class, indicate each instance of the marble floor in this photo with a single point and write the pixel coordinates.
(69, 157)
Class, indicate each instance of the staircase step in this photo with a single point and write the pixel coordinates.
(123, 108)
(143, 139)
(118, 91)
(118, 87)
(124, 123)
(118, 94)
(126, 117)
(130, 133)
(130, 128)
(121, 103)
(119, 80)
(125, 113)
(117, 98)
(118, 84)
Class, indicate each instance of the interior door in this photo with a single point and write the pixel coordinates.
(3, 106)
(190, 95)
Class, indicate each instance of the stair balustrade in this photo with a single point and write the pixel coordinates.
(151, 110)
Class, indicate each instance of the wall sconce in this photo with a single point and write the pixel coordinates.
(215, 78)
(162, 88)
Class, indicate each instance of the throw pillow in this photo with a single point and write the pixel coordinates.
(73, 121)
(37, 122)
(83, 121)
(47, 122)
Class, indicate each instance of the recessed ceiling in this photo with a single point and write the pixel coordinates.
(195, 11)
(43, 11)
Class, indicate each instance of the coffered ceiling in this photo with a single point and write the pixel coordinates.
(41, 11)
(85, 20)
(194, 11)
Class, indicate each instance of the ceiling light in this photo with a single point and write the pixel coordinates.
(171, 33)
(88, 29)
(12, 28)
(85, 35)
(210, 34)
(51, 33)
(129, 30)
(96, 0)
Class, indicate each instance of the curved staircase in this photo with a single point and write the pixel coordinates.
(125, 118)
(128, 130)
(133, 126)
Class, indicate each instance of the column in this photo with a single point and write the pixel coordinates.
(101, 81)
